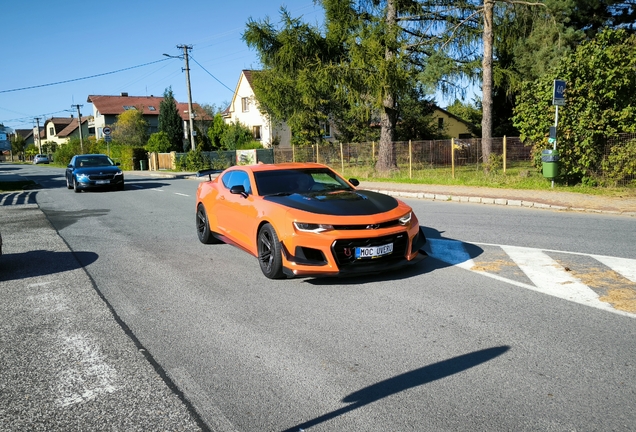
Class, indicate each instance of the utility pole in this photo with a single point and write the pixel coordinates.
(79, 121)
(190, 112)
(37, 119)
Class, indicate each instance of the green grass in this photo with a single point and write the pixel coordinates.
(518, 175)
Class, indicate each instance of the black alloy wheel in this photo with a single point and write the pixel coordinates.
(269, 253)
(203, 227)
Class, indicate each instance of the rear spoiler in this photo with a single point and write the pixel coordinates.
(208, 172)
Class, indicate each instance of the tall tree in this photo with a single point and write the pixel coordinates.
(170, 122)
(368, 58)
(131, 128)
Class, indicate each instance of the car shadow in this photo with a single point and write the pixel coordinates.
(406, 381)
(61, 219)
(24, 265)
(441, 253)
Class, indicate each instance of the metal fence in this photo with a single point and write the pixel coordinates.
(459, 153)
(618, 165)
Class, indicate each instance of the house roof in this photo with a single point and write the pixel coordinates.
(150, 106)
(63, 126)
(71, 127)
(248, 74)
(25, 133)
(59, 123)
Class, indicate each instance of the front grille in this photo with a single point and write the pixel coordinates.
(344, 250)
(387, 224)
(101, 176)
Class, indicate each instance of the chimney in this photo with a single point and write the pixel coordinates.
(124, 94)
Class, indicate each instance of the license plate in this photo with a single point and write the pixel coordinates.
(102, 182)
(374, 251)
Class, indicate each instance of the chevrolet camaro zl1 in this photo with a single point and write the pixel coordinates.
(303, 219)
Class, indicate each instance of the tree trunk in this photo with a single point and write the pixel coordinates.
(486, 122)
(388, 116)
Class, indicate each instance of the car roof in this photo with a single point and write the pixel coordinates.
(280, 166)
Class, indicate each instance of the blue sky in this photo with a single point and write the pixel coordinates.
(50, 42)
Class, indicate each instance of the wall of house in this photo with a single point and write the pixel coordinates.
(252, 116)
(452, 127)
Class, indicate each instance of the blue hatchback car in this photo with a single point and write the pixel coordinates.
(94, 171)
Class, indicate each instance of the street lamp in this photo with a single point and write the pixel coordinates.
(187, 71)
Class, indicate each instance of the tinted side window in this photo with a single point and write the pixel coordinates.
(236, 178)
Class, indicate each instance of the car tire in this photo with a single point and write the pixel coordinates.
(68, 184)
(75, 188)
(203, 227)
(269, 252)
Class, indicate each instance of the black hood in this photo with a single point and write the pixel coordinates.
(338, 203)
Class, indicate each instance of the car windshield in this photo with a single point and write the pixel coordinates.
(94, 161)
(309, 180)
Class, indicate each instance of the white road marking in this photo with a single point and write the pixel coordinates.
(180, 194)
(550, 277)
(624, 266)
(547, 275)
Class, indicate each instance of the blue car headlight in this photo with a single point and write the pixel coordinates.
(82, 178)
(118, 173)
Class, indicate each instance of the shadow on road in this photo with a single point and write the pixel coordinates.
(465, 252)
(400, 383)
(16, 266)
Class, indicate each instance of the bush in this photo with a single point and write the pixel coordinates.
(194, 160)
(620, 165)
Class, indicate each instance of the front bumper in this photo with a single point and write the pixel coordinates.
(325, 255)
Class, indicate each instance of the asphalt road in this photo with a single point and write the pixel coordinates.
(474, 338)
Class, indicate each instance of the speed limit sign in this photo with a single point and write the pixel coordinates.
(106, 131)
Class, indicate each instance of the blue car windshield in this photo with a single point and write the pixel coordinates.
(310, 180)
(94, 162)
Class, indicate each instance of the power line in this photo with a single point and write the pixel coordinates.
(79, 79)
(192, 58)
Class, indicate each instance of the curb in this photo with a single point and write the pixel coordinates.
(498, 201)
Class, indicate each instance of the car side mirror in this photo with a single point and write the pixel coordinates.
(238, 190)
(354, 182)
(69, 166)
(117, 163)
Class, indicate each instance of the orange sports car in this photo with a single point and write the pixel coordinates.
(303, 219)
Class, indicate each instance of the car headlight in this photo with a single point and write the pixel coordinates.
(312, 227)
(406, 219)
(82, 178)
(119, 173)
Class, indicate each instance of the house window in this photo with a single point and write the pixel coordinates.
(51, 130)
(245, 104)
(151, 108)
(256, 132)
(440, 123)
(326, 129)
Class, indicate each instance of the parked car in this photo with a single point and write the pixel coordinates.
(40, 158)
(93, 171)
(303, 219)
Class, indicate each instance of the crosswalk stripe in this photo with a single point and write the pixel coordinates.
(547, 275)
(623, 266)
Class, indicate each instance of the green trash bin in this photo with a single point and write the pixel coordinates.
(550, 163)
(143, 165)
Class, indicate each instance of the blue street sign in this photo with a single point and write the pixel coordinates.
(558, 94)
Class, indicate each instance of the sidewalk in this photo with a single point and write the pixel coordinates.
(545, 199)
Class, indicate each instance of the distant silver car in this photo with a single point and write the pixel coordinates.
(38, 159)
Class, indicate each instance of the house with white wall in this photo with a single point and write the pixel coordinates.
(244, 109)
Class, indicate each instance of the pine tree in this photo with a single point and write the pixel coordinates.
(170, 121)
